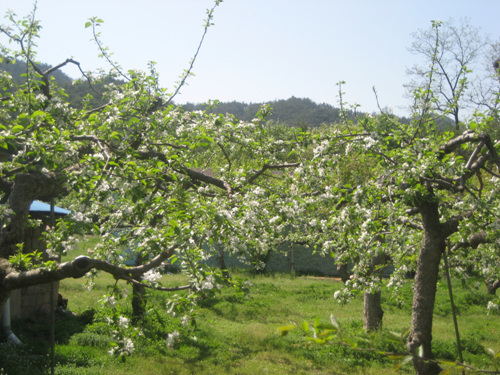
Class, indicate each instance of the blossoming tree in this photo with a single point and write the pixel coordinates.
(424, 194)
(152, 180)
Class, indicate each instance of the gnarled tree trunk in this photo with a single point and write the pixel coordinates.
(426, 277)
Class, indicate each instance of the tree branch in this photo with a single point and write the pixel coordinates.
(78, 268)
(267, 166)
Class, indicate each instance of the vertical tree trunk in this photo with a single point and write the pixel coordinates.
(372, 311)
(343, 271)
(138, 297)
(426, 277)
(222, 262)
(372, 307)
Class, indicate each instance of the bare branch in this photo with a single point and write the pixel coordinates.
(267, 166)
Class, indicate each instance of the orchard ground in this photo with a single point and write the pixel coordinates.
(238, 334)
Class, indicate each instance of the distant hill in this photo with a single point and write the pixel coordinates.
(297, 112)
(294, 111)
(19, 68)
(76, 91)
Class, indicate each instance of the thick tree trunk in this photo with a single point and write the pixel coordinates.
(138, 297)
(138, 303)
(372, 311)
(426, 277)
(372, 308)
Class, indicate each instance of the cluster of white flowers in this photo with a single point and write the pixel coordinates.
(274, 219)
(108, 300)
(185, 320)
(123, 322)
(126, 347)
(171, 338)
(151, 276)
(369, 142)
(319, 149)
(208, 283)
(492, 307)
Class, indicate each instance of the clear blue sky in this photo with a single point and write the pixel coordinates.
(258, 50)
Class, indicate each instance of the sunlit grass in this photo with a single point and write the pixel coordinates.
(238, 335)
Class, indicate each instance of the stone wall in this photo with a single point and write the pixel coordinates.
(33, 300)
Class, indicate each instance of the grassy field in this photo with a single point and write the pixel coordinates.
(237, 334)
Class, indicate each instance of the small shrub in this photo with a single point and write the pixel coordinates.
(472, 345)
(477, 299)
(91, 339)
(79, 356)
(73, 370)
(444, 349)
(20, 360)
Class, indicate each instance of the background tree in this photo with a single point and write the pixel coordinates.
(455, 49)
(429, 189)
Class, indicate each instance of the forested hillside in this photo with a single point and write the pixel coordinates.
(77, 90)
(294, 111)
(300, 112)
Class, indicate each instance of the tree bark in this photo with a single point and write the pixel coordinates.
(372, 307)
(492, 286)
(372, 311)
(138, 296)
(426, 277)
(10, 279)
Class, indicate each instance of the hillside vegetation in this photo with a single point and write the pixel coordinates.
(296, 112)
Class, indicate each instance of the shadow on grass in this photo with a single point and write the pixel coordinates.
(35, 331)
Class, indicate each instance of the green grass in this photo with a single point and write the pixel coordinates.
(237, 334)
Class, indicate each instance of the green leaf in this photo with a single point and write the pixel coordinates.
(420, 351)
(17, 128)
(445, 372)
(305, 326)
(285, 329)
(316, 323)
(38, 114)
(88, 24)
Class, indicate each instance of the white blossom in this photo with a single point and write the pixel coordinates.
(151, 276)
(123, 322)
(492, 307)
(171, 338)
